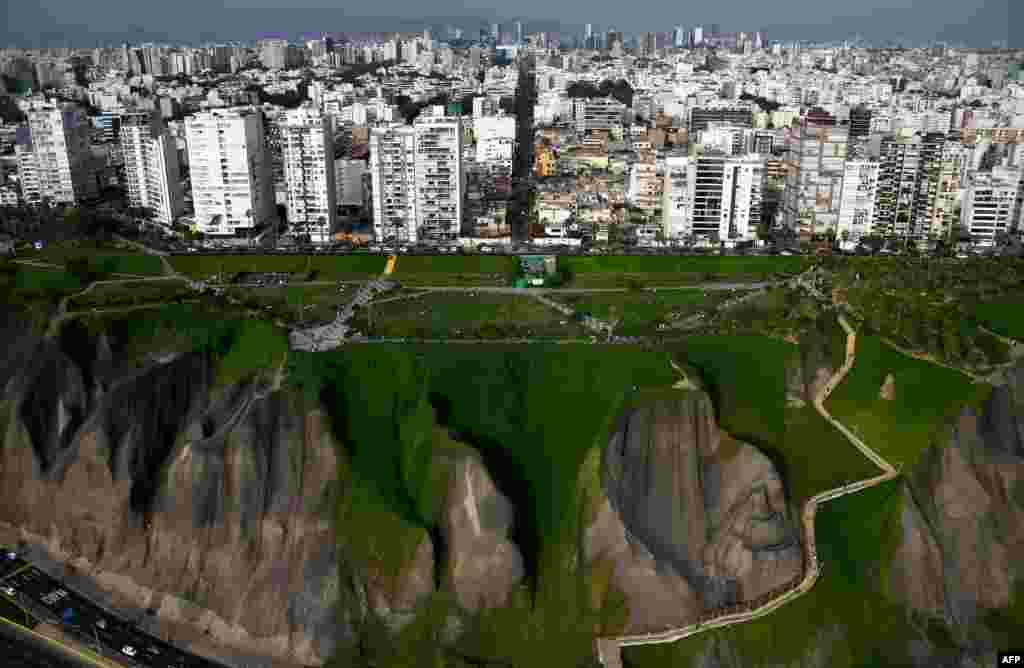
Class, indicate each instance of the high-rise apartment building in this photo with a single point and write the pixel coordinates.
(58, 153)
(151, 166)
(679, 37)
(905, 197)
(989, 204)
(816, 153)
(857, 202)
(713, 197)
(418, 180)
(307, 145)
(232, 187)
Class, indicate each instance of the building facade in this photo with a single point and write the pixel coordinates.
(232, 187)
(307, 144)
(815, 155)
(857, 203)
(60, 156)
(418, 179)
(151, 169)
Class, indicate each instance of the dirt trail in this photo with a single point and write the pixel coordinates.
(609, 649)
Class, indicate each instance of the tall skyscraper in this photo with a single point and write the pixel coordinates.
(519, 32)
(588, 35)
(679, 37)
(698, 36)
(61, 159)
(857, 201)
(495, 32)
(713, 197)
(816, 153)
(151, 166)
(307, 144)
(232, 187)
(908, 166)
(418, 180)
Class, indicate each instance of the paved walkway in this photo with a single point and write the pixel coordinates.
(608, 649)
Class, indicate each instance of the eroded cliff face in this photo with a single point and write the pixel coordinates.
(690, 518)
(484, 565)
(211, 504)
(964, 513)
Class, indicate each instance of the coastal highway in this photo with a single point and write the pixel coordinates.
(47, 598)
(21, 648)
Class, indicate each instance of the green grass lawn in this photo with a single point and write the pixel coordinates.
(640, 312)
(926, 395)
(102, 259)
(42, 281)
(619, 271)
(856, 535)
(296, 303)
(465, 315)
(308, 267)
(455, 270)
(132, 293)
(1004, 316)
(241, 346)
(745, 376)
(816, 457)
(511, 403)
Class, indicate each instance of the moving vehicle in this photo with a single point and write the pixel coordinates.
(128, 650)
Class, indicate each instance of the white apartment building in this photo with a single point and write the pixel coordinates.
(597, 114)
(28, 173)
(307, 147)
(676, 201)
(58, 157)
(151, 166)
(989, 204)
(393, 179)
(348, 180)
(440, 178)
(418, 180)
(857, 202)
(495, 142)
(644, 188)
(713, 197)
(232, 184)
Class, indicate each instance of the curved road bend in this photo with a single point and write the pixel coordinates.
(609, 649)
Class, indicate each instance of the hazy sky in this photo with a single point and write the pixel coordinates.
(86, 22)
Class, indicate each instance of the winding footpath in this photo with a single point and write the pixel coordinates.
(609, 649)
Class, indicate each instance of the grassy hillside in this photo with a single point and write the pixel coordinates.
(307, 267)
(609, 271)
(847, 615)
(925, 394)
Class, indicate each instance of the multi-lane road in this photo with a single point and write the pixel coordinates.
(44, 597)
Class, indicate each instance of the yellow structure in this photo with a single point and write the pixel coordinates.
(390, 268)
(544, 165)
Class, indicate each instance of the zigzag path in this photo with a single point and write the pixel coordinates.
(609, 649)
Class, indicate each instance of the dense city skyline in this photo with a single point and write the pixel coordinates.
(50, 23)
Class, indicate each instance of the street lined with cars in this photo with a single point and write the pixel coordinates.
(48, 599)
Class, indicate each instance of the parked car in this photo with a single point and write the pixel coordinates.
(128, 650)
